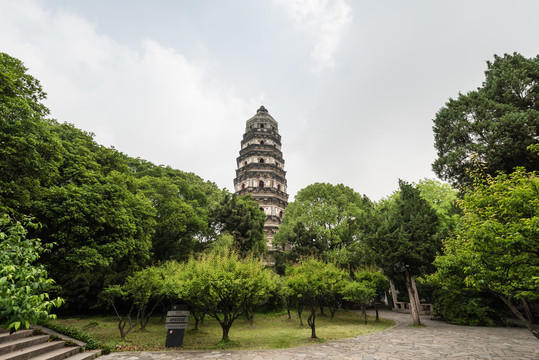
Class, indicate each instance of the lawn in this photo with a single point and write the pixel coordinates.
(269, 331)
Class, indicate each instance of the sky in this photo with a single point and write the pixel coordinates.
(354, 85)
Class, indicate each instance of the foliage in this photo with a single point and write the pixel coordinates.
(365, 289)
(183, 203)
(496, 122)
(23, 284)
(406, 234)
(241, 217)
(497, 238)
(29, 154)
(329, 221)
(143, 291)
(312, 281)
(442, 198)
(102, 230)
(223, 285)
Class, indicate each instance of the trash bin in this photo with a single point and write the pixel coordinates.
(176, 324)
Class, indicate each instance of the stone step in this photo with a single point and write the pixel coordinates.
(5, 336)
(16, 344)
(59, 354)
(33, 351)
(87, 355)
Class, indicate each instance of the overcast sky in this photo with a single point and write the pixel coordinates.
(354, 85)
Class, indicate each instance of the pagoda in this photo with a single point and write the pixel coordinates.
(260, 169)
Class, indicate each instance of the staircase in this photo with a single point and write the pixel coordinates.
(23, 345)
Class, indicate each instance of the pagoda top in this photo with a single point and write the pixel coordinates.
(261, 117)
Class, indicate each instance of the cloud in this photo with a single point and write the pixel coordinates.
(146, 100)
(326, 19)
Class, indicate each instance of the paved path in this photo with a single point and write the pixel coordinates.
(437, 340)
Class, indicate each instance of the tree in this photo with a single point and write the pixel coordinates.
(183, 203)
(442, 198)
(326, 220)
(312, 281)
(406, 238)
(103, 234)
(497, 238)
(377, 281)
(361, 292)
(496, 122)
(143, 291)
(177, 221)
(241, 217)
(29, 152)
(24, 286)
(223, 285)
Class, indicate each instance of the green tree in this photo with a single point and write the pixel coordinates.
(312, 281)
(377, 281)
(406, 238)
(497, 238)
(241, 217)
(24, 286)
(360, 291)
(442, 198)
(327, 220)
(496, 122)
(29, 152)
(143, 292)
(103, 234)
(178, 223)
(223, 285)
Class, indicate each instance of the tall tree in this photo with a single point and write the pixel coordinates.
(497, 240)
(496, 122)
(406, 238)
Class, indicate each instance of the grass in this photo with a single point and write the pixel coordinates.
(269, 331)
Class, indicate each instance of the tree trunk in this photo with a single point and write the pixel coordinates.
(418, 302)
(364, 312)
(393, 293)
(226, 329)
(518, 314)
(322, 309)
(311, 320)
(528, 310)
(300, 311)
(414, 304)
(376, 310)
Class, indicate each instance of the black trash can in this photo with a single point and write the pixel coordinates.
(176, 324)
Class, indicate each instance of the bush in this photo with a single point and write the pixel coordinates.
(91, 343)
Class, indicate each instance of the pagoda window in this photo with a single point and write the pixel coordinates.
(281, 214)
(243, 186)
(261, 183)
(261, 126)
(279, 187)
(261, 142)
(261, 160)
